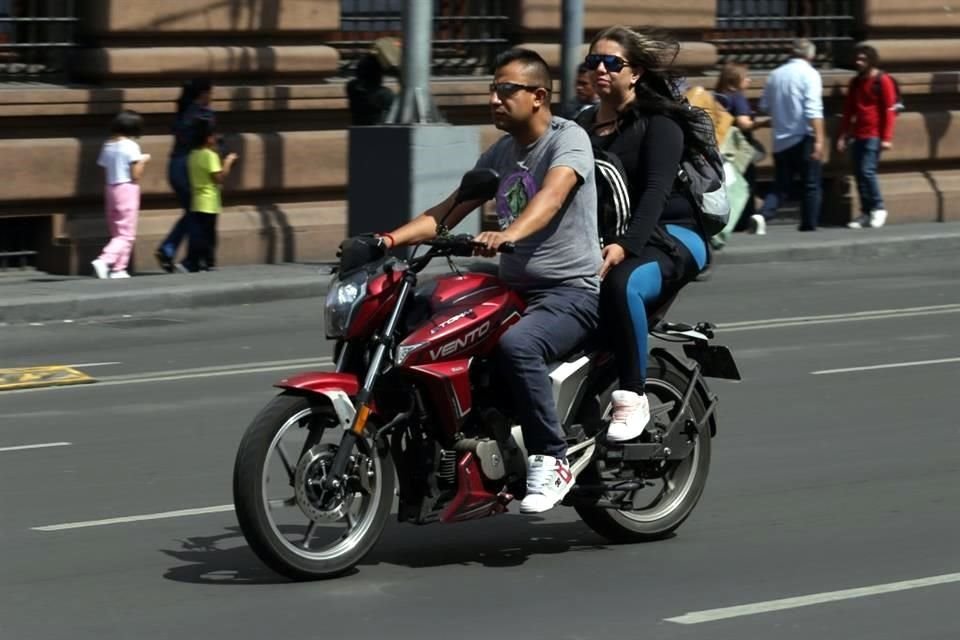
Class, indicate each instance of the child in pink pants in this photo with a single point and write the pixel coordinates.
(123, 164)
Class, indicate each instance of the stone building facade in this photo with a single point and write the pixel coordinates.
(281, 101)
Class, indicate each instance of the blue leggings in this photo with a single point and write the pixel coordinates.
(637, 286)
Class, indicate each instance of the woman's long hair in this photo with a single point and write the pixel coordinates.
(658, 91)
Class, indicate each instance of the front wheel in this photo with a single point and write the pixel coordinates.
(292, 524)
(671, 492)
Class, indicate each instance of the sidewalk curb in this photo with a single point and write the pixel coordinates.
(314, 283)
(866, 247)
(63, 307)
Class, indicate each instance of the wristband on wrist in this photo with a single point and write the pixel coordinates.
(393, 242)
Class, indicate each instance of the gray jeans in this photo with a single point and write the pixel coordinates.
(555, 322)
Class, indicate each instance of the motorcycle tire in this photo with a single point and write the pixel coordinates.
(618, 526)
(252, 507)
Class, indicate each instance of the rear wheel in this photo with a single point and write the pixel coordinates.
(295, 526)
(671, 491)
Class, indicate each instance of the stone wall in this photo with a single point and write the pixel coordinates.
(283, 112)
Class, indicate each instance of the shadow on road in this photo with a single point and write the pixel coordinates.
(208, 562)
(498, 542)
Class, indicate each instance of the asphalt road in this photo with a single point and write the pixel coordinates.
(820, 483)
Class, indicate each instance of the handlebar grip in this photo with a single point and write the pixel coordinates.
(507, 247)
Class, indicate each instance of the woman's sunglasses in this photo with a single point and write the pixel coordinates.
(610, 62)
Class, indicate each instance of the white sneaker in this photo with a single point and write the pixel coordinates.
(759, 224)
(878, 217)
(548, 481)
(859, 223)
(101, 269)
(631, 413)
(118, 275)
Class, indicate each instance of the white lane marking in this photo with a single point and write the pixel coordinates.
(220, 508)
(857, 316)
(711, 615)
(199, 372)
(892, 365)
(45, 445)
(93, 364)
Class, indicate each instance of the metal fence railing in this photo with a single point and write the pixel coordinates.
(758, 32)
(467, 34)
(35, 36)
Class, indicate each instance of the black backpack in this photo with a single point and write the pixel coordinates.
(702, 175)
(897, 105)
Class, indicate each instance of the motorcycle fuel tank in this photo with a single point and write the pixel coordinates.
(468, 315)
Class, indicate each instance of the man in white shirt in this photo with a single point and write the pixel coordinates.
(793, 96)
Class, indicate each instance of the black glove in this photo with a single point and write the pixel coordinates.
(357, 251)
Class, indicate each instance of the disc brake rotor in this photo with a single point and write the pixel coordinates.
(317, 503)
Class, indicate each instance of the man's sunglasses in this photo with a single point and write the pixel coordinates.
(507, 89)
(610, 62)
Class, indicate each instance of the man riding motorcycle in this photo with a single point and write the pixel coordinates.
(547, 206)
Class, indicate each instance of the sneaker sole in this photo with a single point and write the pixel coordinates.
(545, 509)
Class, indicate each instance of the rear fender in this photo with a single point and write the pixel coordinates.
(338, 388)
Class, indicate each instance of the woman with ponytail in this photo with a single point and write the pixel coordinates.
(642, 119)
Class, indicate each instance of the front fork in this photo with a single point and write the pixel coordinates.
(335, 477)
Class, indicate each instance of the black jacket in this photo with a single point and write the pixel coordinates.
(650, 148)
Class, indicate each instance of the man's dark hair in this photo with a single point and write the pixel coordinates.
(127, 123)
(873, 58)
(582, 68)
(202, 131)
(369, 70)
(537, 71)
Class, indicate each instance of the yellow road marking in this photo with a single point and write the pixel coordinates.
(31, 377)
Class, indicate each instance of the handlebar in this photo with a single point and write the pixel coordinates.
(464, 245)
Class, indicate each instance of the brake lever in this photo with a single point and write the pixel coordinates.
(453, 266)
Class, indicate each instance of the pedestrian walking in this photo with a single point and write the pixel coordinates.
(123, 163)
(866, 129)
(793, 98)
(193, 114)
(207, 174)
(731, 89)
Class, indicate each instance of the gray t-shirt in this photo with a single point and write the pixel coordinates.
(567, 250)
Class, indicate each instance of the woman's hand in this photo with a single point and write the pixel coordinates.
(613, 254)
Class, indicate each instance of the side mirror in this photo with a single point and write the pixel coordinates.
(478, 184)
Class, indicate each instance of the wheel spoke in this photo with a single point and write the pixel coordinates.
(351, 520)
(286, 461)
(309, 534)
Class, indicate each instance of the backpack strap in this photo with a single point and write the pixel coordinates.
(587, 117)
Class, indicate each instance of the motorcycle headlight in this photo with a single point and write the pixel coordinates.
(342, 299)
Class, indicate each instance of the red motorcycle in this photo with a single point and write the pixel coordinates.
(415, 411)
